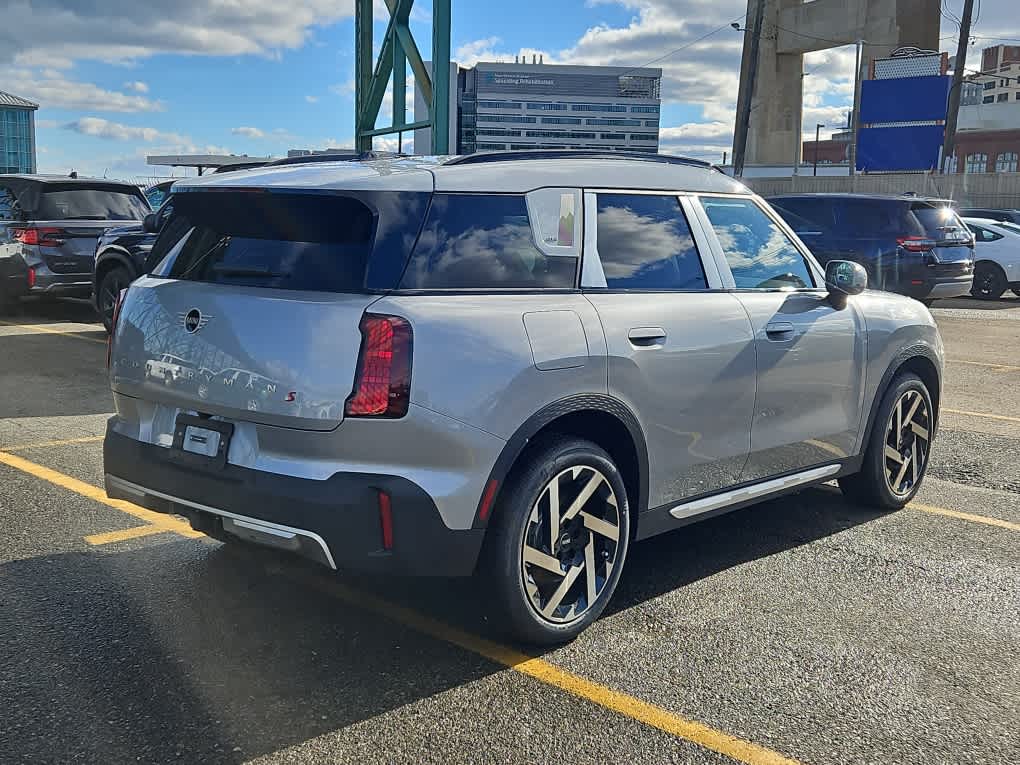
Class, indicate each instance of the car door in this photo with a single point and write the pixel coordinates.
(681, 349)
(810, 355)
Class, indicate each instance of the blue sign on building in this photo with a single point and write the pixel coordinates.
(902, 123)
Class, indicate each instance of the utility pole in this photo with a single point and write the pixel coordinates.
(855, 113)
(747, 94)
(818, 128)
(953, 113)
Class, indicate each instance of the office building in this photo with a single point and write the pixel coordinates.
(999, 79)
(17, 134)
(534, 105)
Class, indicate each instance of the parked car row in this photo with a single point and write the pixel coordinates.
(85, 237)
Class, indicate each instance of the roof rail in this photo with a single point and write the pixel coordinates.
(480, 158)
(335, 156)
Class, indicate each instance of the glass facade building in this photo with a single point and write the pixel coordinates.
(528, 106)
(17, 134)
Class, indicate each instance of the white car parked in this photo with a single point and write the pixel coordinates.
(996, 257)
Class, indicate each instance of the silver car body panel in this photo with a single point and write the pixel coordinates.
(718, 402)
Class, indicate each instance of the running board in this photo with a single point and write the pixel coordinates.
(752, 492)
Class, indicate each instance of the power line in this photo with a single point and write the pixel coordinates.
(686, 45)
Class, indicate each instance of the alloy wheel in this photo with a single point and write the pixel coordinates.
(571, 543)
(907, 438)
(108, 295)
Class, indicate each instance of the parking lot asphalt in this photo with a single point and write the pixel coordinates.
(806, 629)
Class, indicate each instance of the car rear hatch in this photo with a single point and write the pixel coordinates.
(67, 219)
(939, 230)
(255, 314)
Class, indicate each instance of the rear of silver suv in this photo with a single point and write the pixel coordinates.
(424, 367)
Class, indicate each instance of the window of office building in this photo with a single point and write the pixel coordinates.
(556, 134)
(506, 118)
(490, 146)
(976, 163)
(989, 84)
(561, 120)
(498, 105)
(543, 107)
(497, 131)
(652, 123)
(622, 123)
(1002, 97)
(597, 108)
(1006, 162)
(988, 100)
(644, 137)
(613, 136)
(645, 109)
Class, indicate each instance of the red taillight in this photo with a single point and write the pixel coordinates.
(31, 277)
(113, 326)
(916, 243)
(486, 505)
(386, 520)
(382, 385)
(45, 237)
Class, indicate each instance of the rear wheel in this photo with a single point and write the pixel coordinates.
(558, 541)
(897, 454)
(989, 281)
(112, 283)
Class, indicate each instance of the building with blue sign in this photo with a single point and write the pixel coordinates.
(544, 106)
(17, 134)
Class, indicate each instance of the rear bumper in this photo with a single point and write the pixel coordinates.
(941, 280)
(335, 522)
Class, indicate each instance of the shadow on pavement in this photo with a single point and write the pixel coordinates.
(192, 652)
(1005, 303)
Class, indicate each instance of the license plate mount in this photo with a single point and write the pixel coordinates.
(202, 441)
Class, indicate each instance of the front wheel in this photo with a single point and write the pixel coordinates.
(897, 454)
(989, 281)
(558, 541)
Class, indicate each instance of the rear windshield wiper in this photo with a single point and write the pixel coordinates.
(85, 217)
(228, 270)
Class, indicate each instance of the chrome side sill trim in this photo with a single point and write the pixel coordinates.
(256, 524)
(756, 491)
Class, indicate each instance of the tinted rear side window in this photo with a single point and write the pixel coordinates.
(285, 241)
(645, 243)
(940, 222)
(483, 241)
(805, 214)
(78, 203)
(865, 218)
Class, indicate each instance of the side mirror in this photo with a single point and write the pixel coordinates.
(150, 225)
(844, 277)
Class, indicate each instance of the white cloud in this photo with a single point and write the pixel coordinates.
(51, 88)
(46, 123)
(248, 132)
(137, 86)
(116, 131)
(55, 32)
(312, 99)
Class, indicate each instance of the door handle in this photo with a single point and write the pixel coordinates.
(779, 330)
(646, 337)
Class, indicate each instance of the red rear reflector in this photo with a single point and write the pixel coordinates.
(31, 277)
(382, 385)
(916, 243)
(47, 237)
(916, 281)
(486, 507)
(386, 520)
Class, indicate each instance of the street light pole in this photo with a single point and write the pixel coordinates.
(818, 126)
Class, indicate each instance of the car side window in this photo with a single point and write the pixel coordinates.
(645, 243)
(759, 254)
(984, 234)
(8, 204)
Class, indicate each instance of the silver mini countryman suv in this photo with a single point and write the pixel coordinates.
(511, 364)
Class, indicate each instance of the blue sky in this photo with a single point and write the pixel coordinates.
(117, 81)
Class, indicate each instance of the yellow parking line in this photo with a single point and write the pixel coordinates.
(545, 672)
(990, 365)
(62, 442)
(964, 412)
(966, 516)
(51, 331)
(165, 522)
(109, 537)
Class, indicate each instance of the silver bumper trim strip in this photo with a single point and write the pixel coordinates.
(256, 524)
(755, 491)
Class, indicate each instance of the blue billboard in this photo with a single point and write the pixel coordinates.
(902, 123)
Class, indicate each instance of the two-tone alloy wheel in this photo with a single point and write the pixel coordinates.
(558, 540)
(897, 454)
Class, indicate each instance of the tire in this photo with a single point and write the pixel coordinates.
(989, 281)
(905, 462)
(109, 288)
(582, 551)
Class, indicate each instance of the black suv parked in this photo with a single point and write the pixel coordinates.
(908, 244)
(48, 231)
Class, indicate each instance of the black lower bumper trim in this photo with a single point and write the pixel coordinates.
(341, 510)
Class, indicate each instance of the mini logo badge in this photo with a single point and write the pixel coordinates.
(194, 320)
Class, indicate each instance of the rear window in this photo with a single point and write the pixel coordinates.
(285, 241)
(485, 241)
(940, 222)
(77, 203)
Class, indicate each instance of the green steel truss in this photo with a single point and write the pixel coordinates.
(397, 51)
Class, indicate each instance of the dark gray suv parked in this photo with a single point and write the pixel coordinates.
(49, 226)
(517, 364)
